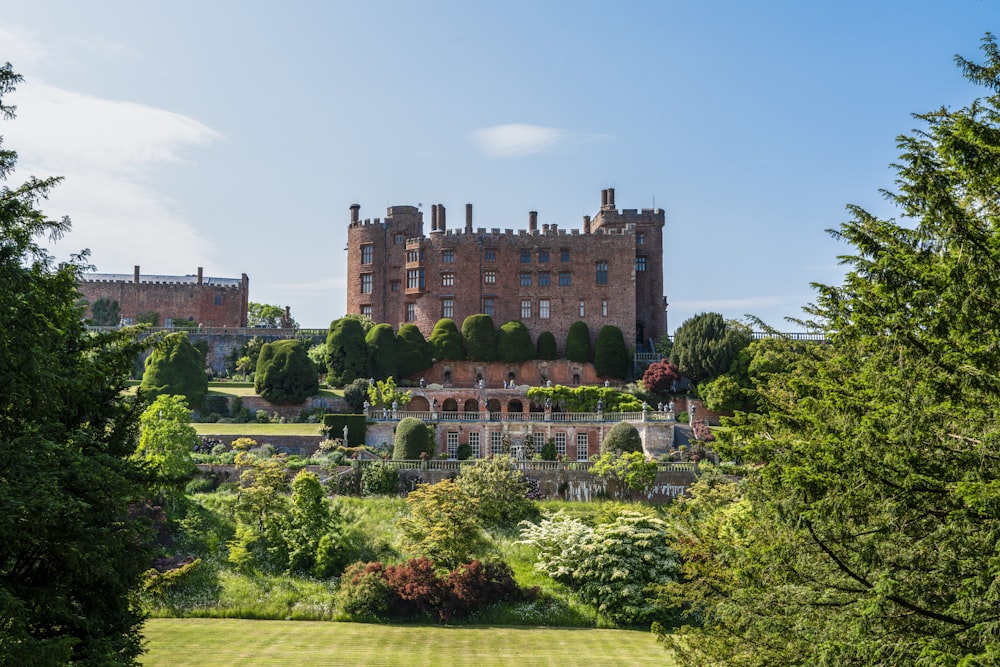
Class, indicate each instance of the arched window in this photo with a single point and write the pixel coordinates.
(471, 405)
(449, 405)
(515, 406)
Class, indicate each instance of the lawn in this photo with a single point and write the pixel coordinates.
(229, 642)
(243, 389)
(253, 429)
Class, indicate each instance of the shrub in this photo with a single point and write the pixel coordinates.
(381, 344)
(364, 593)
(480, 338)
(285, 374)
(446, 341)
(546, 346)
(464, 452)
(176, 367)
(610, 353)
(476, 585)
(355, 394)
(499, 489)
(412, 438)
(442, 523)
(559, 539)
(623, 437)
(660, 377)
(417, 589)
(549, 450)
(578, 342)
(514, 343)
(413, 353)
(379, 479)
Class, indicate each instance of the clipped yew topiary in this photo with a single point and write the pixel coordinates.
(346, 351)
(578, 342)
(610, 353)
(413, 352)
(623, 437)
(285, 373)
(446, 341)
(546, 346)
(480, 337)
(381, 342)
(412, 438)
(514, 343)
(176, 367)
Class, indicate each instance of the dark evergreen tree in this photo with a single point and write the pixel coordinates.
(285, 374)
(346, 351)
(480, 338)
(611, 357)
(706, 345)
(107, 312)
(578, 342)
(446, 341)
(413, 352)
(546, 346)
(176, 367)
(381, 342)
(73, 538)
(514, 343)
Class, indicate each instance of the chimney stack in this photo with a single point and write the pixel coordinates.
(434, 217)
(355, 211)
(586, 224)
(200, 275)
(468, 218)
(441, 218)
(135, 275)
(533, 221)
(611, 198)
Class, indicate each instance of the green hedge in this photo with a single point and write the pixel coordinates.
(356, 426)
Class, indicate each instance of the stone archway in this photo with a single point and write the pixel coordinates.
(515, 406)
(418, 404)
(449, 405)
(471, 405)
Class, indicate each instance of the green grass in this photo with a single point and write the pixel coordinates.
(229, 642)
(253, 429)
(246, 389)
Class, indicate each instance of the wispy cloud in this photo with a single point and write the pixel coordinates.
(105, 149)
(517, 139)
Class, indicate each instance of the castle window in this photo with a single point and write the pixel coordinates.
(543, 309)
(490, 254)
(582, 309)
(543, 256)
(448, 308)
(640, 263)
(414, 279)
(448, 256)
(452, 444)
(564, 255)
(582, 447)
(525, 257)
(639, 238)
(496, 443)
(474, 444)
(394, 285)
(366, 283)
(367, 253)
(411, 256)
(525, 309)
(602, 273)
(561, 444)
(366, 310)
(400, 238)
(411, 312)
(218, 299)
(488, 308)
(447, 279)
(565, 278)
(490, 277)
(544, 279)
(604, 308)
(525, 280)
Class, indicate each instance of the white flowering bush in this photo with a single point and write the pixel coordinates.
(560, 540)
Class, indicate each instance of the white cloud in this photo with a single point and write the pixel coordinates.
(21, 50)
(517, 139)
(105, 150)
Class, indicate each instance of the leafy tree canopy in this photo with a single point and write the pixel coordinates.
(166, 442)
(706, 345)
(176, 367)
(268, 315)
(660, 377)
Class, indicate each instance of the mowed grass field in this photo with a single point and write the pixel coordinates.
(177, 642)
(253, 429)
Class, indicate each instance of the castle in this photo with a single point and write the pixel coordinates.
(608, 273)
(211, 302)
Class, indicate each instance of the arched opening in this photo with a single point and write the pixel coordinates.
(536, 407)
(576, 378)
(418, 404)
(447, 377)
(493, 405)
(449, 405)
(515, 406)
(471, 405)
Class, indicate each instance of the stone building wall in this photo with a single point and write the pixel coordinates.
(544, 276)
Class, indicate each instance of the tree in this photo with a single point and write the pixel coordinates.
(631, 471)
(73, 543)
(706, 345)
(723, 394)
(355, 395)
(260, 510)
(660, 377)
(868, 535)
(166, 441)
(578, 342)
(309, 521)
(546, 346)
(446, 341)
(514, 343)
(479, 336)
(268, 315)
(106, 312)
(381, 343)
(385, 393)
(441, 524)
(347, 352)
(611, 356)
(623, 437)
(285, 374)
(413, 353)
(412, 438)
(176, 367)
(500, 490)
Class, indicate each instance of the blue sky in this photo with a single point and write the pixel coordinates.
(234, 135)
